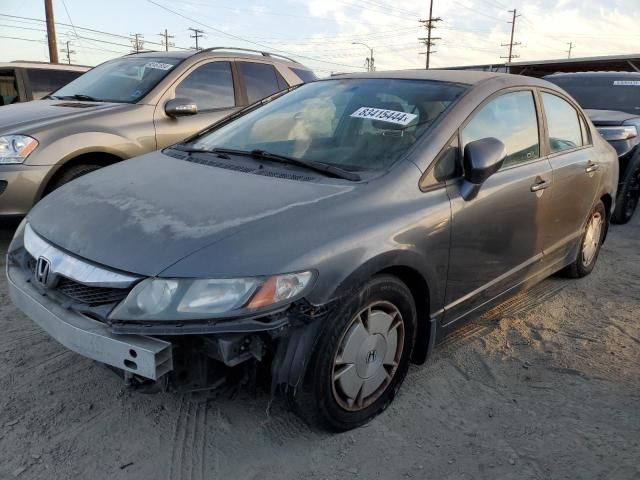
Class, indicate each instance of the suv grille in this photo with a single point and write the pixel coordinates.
(90, 295)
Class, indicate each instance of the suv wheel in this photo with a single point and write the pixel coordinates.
(590, 243)
(71, 173)
(361, 357)
(629, 194)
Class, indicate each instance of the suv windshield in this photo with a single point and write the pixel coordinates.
(124, 80)
(603, 93)
(356, 124)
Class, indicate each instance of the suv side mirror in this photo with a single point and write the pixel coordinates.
(180, 107)
(482, 158)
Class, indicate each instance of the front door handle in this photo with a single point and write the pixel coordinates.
(540, 185)
(592, 167)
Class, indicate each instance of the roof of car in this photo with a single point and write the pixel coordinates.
(223, 52)
(44, 66)
(468, 77)
(635, 75)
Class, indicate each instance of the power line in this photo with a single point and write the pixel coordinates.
(137, 41)
(571, 47)
(237, 37)
(429, 41)
(67, 51)
(197, 33)
(166, 40)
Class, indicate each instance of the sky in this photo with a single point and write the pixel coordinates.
(321, 33)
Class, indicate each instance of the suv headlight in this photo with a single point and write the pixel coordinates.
(618, 133)
(175, 299)
(16, 148)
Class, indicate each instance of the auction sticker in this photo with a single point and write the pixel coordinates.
(390, 116)
(627, 83)
(159, 66)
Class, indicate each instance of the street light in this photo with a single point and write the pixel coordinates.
(370, 65)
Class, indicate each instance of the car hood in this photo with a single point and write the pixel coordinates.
(29, 117)
(144, 215)
(614, 118)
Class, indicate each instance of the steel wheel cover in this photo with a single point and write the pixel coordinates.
(368, 356)
(591, 241)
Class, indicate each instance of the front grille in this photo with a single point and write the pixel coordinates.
(91, 296)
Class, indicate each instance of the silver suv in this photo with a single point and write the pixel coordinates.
(127, 107)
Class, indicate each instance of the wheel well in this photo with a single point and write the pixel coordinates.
(608, 202)
(420, 292)
(94, 158)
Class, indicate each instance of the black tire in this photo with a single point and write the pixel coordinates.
(581, 268)
(317, 400)
(71, 173)
(629, 193)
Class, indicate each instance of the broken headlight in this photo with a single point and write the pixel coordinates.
(175, 299)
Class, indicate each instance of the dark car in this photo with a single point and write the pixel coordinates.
(26, 81)
(612, 100)
(331, 235)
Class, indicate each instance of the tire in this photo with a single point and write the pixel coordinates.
(629, 194)
(71, 173)
(590, 244)
(349, 348)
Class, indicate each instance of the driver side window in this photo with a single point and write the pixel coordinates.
(512, 119)
(210, 86)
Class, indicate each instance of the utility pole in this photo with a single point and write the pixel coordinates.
(571, 47)
(370, 62)
(429, 40)
(51, 32)
(67, 51)
(511, 43)
(137, 41)
(165, 40)
(197, 34)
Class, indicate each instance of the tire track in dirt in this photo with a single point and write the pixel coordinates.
(177, 440)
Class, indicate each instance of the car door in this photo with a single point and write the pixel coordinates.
(496, 238)
(576, 175)
(213, 87)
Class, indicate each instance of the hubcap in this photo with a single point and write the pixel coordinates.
(633, 195)
(591, 241)
(368, 356)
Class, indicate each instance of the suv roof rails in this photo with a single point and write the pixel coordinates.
(264, 54)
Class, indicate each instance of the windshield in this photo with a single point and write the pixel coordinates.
(356, 124)
(603, 93)
(124, 80)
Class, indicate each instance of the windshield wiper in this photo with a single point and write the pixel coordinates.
(186, 149)
(80, 96)
(326, 168)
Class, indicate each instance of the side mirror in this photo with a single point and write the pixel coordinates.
(482, 158)
(180, 107)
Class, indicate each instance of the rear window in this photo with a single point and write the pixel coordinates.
(603, 93)
(260, 80)
(305, 75)
(44, 81)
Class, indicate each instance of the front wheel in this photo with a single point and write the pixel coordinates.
(629, 195)
(590, 243)
(361, 358)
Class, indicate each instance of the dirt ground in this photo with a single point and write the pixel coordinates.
(546, 386)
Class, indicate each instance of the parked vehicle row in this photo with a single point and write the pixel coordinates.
(324, 238)
(124, 108)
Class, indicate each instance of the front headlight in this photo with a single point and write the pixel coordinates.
(618, 133)
(16, 148)
(175, 299)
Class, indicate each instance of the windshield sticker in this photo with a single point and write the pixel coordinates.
(627, 83)
(390, 116)
(159, 66)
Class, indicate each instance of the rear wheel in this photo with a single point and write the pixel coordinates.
(629, 194)
(361, 358)
(590, 243)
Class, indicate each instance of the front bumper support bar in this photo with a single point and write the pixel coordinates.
(145, 356)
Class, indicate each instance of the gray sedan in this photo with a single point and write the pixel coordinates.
(323, 239)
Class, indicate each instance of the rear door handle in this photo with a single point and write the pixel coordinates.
(540, 185)
(592, 167)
